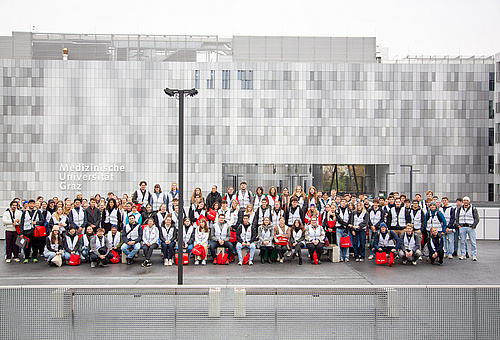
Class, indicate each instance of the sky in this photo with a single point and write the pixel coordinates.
(424, 27)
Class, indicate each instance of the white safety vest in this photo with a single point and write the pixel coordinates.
(257, 201)
(186, 235)
(160, 217)
(292, 217)
(72, 242)
(246, 235)
(466, 216)
(296, 234)
(434, 221)
(416, 218)
(113, 239)
(134, 234)
(409, 243)
(28, 219)
(167, 233)
(244, 199)
(376, 216)
(385, 241)
(144, 197)
(447, 214)
(221, 234)
(344, 216)
(398, 219)
(157, 199)
(314, 233)
(276, 216)
(112, 217)
(359, 218)
(78, 216)
(263, 214)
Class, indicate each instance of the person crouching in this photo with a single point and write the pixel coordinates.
(100, 249)
(409, 249)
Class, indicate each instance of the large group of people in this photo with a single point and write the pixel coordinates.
(100, 230)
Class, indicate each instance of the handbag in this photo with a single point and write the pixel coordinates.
(282, 241)
(246, 258)
(327, 242)
(40, 231)
(116, 257)
(185, 258)
(197, 249)
(222, 257)
(211, 215)
(331, 224)
(345, 242)
(74, 260)
(57, 260)
(391, 259)
(233, 237)
(315, 258)
(22, 242)
(381, 258)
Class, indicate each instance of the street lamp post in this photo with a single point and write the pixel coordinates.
(411, 177)
(180, 215)
(387, 183)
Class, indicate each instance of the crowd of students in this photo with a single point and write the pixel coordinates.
(99, 230)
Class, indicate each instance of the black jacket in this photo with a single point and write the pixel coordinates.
(93, 217)
(212, 198)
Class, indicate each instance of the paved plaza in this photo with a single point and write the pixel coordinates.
(454, 272)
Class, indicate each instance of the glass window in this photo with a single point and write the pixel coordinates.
(491, 112)
(211, 81)
(226, 79)
(492, 81)
(491, 136)
(491, 192)
(491, 164)
(197, 79)
(250, 80)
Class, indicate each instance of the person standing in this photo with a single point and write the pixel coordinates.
(343, 215)
(244, 196)
(398, 217)
(11, 221)
(77, 217)
(449, 233)
(213, 196)
(468, 219)
(434, 218)
(29, 219)
(357, 225)
(93, 214)
(141, 197)
(158, 198)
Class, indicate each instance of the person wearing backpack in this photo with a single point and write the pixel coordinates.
(386, 241)
(467, 220)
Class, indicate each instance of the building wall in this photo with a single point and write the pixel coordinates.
(56, 114)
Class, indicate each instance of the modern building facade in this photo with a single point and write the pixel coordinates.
(270, 110)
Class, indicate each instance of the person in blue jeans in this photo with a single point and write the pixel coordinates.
(467, 219)
(132, 236)
(357, 224)
(343, 216)
(246, 236)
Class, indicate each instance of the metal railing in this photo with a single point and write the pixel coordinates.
(252, 312)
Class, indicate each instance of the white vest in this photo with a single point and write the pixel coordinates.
(293, 217)
(244, 199)
(257, 201)
(359, 218)
(296, 234)
(144, 198)
(416, 218)
(78, 217)
(466, 216)
(186, 235)
(160, 218)
(281, 232)
(113, 240)
(246, 235)
(168, 233)
(314, 233)
(447, 214)
(434, 222)
(276, 216)
(28, 219)
(134, 234)
(385, 241)
(100, 243)
(398, 219)
(72, 244)
(157, 199)
(376, 216)
(344, 216)
(112, 217)
(221, 234)
(263, 214)
(409, 244)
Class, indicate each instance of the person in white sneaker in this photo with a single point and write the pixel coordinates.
(246, 236)
(11, 220)
(201, 237)
(409, 248)
(467, 220)
(168, 236)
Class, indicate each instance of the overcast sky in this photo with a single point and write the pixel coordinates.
(423, 27)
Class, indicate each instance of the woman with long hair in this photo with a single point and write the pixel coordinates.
(174, 193)
(201, 238)
(358, 223)
(329, 222)
(301, 196)
(111, 216)
(157, 198)
(285, 198)
(59, 219)
(272, 196)
(266, 236)
(53, 245)
(312, 197)
(196, 191)
(297, 239)
(257, 198)
(194, 214)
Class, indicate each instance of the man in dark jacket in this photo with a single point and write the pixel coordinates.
(246, 235)
(435, 245)
(213, 196)
(93, 215)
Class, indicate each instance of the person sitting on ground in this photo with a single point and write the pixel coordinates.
(409, 248)
(246, 236)
(70, 242)
(100, 249)
(53, 245)
(132, 236)
(386, 241)
(435, 245)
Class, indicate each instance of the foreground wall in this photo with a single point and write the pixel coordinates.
(93, 127)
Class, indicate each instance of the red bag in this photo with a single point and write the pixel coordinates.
(391, 259)
(74, 260)
(282, 241)
(185, 259)
(202, 217)
(40, 231)
(331, 224)
(211, 215)
(197, 249)
(381, 258)
(233, 237)
(18, 230)
(116, 257)
(315, 258)
(345, 242)
(327, 242)
(222, 257)
(246, 258)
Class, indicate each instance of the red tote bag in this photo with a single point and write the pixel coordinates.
(40, 231)
(185, 259)
(211, 215)
(345, 242)
(116, 257)
(74, 260)
(381, 258)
